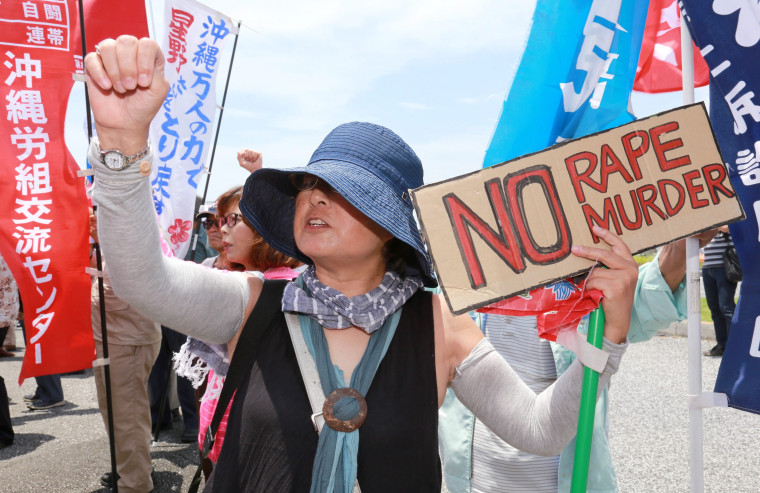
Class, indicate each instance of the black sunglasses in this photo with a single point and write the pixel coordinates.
(306, 182)
(209, 223)
(231, 219)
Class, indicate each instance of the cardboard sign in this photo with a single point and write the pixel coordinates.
(505, 229)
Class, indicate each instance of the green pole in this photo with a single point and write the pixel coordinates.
(588, 406)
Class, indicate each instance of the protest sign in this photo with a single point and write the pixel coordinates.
(505, 229)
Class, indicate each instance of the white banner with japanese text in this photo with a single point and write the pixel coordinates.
(181, 133)
(44, 229)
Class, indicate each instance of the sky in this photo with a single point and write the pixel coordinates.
(434, 71)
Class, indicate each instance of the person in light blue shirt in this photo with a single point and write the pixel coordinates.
(475, 460)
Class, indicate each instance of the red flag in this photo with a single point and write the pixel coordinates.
(558, 307)
(110, 19)
(43, 233)
(659, 68)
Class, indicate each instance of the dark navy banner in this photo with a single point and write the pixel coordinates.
(728, 35)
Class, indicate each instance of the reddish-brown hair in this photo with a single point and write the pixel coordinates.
(263, 256)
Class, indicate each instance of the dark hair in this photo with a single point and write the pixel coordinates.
(263, 256)
(398, 255)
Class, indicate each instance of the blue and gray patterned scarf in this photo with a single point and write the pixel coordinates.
(334, 310)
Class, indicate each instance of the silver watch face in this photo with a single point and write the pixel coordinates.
(115, 160)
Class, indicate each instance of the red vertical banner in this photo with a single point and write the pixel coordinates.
(660, 66)
(100, 20)
(44, 227)
(99, 16)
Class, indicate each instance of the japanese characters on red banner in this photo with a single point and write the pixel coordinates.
(181, 133)
(43, 234)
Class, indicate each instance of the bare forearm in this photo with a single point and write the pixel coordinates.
(673, 263)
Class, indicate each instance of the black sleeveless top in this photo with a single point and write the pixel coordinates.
(270, 442)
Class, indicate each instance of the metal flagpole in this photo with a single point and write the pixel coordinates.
(101, 289)
(696, 455)
(216, 138)
(84, 53)
(106, 367)
(221, 112)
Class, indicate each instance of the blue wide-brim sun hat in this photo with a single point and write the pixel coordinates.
(368, 165)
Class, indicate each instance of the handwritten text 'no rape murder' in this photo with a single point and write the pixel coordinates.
(510, 227)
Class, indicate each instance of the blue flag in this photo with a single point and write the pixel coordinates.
(728, 34)
(575, 76)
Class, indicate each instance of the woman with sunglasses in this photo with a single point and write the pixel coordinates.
(373, 333)
(242, 249)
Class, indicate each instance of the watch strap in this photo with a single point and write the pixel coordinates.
(129, 160)
(136, 157)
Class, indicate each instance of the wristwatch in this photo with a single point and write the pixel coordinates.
(117, 161)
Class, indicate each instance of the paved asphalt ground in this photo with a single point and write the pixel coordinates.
(66, 449)
(649, 422)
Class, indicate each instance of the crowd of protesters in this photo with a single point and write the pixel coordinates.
(343, 228)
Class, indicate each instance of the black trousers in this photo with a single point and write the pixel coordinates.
(6, 428)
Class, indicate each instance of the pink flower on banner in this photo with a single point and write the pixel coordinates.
(179, 231)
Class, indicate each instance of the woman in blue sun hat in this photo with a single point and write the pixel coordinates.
(385, 350)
